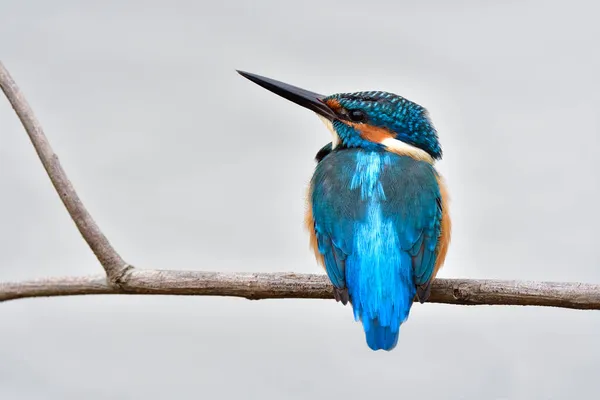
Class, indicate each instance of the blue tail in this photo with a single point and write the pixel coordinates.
(380, 337)
(381, 292)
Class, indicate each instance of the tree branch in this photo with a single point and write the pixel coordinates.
(108, 257)
(257, 286)
(124, 279)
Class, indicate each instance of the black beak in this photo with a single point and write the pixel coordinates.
(305, 98)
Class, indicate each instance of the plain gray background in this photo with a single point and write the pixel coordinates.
(186, 165)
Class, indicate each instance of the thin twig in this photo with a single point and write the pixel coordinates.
(106, 254)
(257, 286)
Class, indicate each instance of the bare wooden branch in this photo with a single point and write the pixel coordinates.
(108, 257)
(123, 279)
(50, 287)
(257, 286)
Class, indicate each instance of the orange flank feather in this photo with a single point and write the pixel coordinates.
(445, 229)
(309, 223)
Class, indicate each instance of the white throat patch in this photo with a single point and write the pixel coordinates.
(335, 139)
(405, 149)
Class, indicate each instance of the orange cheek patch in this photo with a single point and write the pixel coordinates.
(372, 133)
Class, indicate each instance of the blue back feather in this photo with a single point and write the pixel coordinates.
(377, 221)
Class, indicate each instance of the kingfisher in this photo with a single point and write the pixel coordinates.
(377, 209)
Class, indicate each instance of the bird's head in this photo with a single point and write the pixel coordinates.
(370, 120)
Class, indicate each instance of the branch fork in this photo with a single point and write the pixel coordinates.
(122, 278)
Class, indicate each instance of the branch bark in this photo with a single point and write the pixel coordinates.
(123, 279)
(255, 286)
(106, 254)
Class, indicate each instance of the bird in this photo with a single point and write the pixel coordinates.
(377, 208)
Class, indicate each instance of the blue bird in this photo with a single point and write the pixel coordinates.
(377, 208)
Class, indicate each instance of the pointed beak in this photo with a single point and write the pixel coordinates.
(305, 98)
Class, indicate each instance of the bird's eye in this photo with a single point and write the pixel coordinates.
(357, 116)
